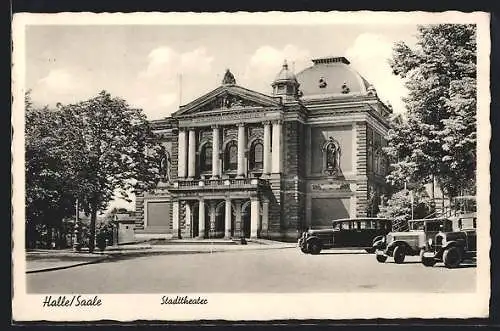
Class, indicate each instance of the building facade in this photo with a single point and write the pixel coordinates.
(241, 163)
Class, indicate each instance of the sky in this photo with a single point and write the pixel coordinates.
(158, 67)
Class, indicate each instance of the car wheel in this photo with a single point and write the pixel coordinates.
(381, 258)
(452, 257)
(314, 248)
(399, 254)
(428, 261)
(370, 250)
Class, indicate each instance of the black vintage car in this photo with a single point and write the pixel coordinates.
(345, 233)
(453, 247)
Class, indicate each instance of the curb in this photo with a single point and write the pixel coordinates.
(146, 252)
(67, 266)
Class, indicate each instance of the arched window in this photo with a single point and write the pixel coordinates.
(231, 156)
(257, 156)
(206, 158)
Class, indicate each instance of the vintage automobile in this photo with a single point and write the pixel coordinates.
(410, 243)
(452, 248)
(345, 233)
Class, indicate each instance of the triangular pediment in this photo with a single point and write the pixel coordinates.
(227, 98)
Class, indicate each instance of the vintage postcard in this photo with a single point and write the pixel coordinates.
(250, 166)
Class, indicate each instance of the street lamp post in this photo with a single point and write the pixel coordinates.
(76, 242)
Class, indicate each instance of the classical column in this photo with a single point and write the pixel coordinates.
(276, 147)
(215, 151)
(211, 231)
(191, 153)
(241, 149)
(181, 166)
(267, 147)
(254, 217)
(265, 217)
(201, 219)
(227, 219)
(237, 222)
(189, 218)
(175, 219)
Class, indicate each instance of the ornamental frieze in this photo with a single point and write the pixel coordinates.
(228, 101)
(206, 119)
(205, 135)
(230, 132)
(255, 132)
(331, 187)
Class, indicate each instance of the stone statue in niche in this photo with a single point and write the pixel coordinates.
(166, 167)
(331, 155)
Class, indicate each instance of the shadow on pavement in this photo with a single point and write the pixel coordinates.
(462, 266)
(343, 253)
(128, 256)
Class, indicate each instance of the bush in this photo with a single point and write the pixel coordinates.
(104, 235)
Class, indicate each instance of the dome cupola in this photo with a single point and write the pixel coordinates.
(285, 84)
(332, 77)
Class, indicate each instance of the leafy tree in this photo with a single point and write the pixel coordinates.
(438, 137)
(399, 207)
(119, 152)
(51, 177)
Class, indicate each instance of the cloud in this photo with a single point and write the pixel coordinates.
(369, 55)
(157, 89)
(167, 62)
(265, 63)
(65, 85)
(58, 80)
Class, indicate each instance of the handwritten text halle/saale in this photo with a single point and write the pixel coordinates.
(71, 301)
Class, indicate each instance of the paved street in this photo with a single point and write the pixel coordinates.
(278, 270)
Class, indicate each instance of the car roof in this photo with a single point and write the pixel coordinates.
(360, 219)
(440, 219)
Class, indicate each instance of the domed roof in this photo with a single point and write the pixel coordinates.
(331, 76)
(285, 74)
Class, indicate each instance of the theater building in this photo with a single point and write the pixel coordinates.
(241, 163)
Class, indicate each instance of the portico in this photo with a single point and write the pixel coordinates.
(210, 211)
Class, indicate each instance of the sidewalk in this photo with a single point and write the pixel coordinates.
(48, 260)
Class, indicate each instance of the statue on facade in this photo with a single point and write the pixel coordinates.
(331, 150)
(166, 167)
(228, 78)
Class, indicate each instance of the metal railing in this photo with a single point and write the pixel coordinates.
(233, 182)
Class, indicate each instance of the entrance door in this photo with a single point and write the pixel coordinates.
(196, 221)
(245, 220)
(194, 224)
(220, 221)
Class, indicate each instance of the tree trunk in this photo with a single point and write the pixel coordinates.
(93, 217)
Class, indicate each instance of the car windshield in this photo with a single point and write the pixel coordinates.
(467, 223)
(416, 225)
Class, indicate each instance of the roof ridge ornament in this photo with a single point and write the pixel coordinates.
(228, 78)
